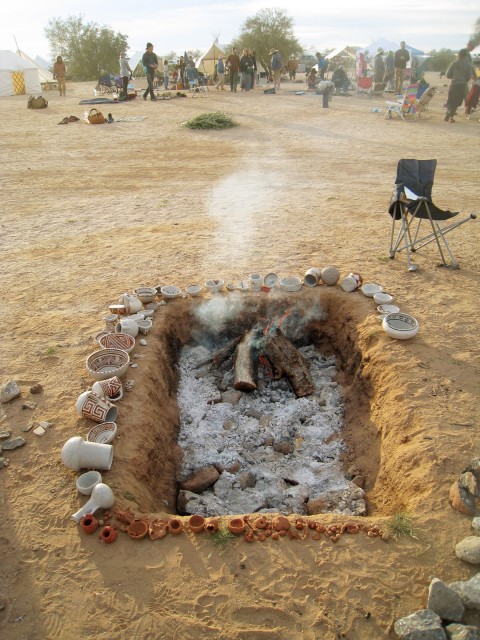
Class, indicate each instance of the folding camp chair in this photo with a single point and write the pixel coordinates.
(403, 107)
(364, 84)
(422, 102)
(411, 203)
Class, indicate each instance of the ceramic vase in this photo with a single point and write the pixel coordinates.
(89, 523)
(138, 529)
(108, 534)
(102, 498)
(330, 275)
(78, 454)
(211, 525)
(111, 389)
(175, 525)
(127, 326)
(256, 281)
(130, 301)
(312, 277)
(94, 407)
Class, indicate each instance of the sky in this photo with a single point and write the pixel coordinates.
(178, 25)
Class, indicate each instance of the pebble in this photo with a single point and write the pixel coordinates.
(9, 391)
(37, 388)
(13, 443)
(134, 365)
(39, 431)
(45, 425)
(29, 405)
(143, 342)
(3, 463)
(467, 549)
(4, 435)
(27, 428)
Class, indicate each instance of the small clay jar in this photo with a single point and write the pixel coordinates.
(196, 523)
(89, 523)
(281, 523)
(175, 525)
(137, 529)
(211, 525)
(108, 534)
(236, 525)
(260, 523)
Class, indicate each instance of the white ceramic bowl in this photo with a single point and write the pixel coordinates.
(88, 480)
(108, 363)
(171, 291)
(400, 326)
(117, 341)
(270, 280)
(388, 308)
(214, 285)
(193, 290)
(292, 283)
(146, 294)
(382, 298)
(144, 326)
(102, 433)
(369, 289)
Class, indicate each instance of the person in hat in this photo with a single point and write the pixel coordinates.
(402, 56)
(379, 66)
(125, 72)
(276, 64)
(220, 69)
(150, 65)
(59, 74)
(292, 66)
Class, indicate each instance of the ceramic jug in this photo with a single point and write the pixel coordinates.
(130, 301)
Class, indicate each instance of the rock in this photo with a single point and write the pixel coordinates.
(461, 500)
(14, 443)
(421, 625)
(9, 391)
(234, 467)
(27, 428)
(143, 342)
(444, 601)
(232, 396)
(133, 365)
(201, 480)
(265, 421)
(317, 505)
(247, 479)
(253, 413)
(468, 481)
(283, 447)
(268, 442)
(37, 388)
(228, 425)
(4, 435)
(474, 467)
(469, 591)
(3, 463)
(359, 481)
(39, 431)
(45, 425)
(29, 405)
(476, 524)
(462, 632)
(467, 549)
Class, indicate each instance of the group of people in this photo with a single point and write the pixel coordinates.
(388, 69)
(242, 68)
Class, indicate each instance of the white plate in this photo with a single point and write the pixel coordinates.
(388, 308)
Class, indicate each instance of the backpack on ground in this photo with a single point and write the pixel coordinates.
(37, 102)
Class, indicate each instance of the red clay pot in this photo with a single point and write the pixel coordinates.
(89, 523)
(138, 529)
(236, 525)
(108, 534)
(211, 525)
(260, 523)
(175, 525)
(281, 523)
(196, 523)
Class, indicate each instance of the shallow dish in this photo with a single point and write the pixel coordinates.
(171, 291)
(383, 298)
(270, 280)
(102, 433)
(117, 341)
(369, 289)
(400, 326)
(388, 308)
(108, 363)
(146, 294)
(292, 283)
(214, 285)
(193, 290)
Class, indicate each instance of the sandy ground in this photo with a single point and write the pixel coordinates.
(89, 212)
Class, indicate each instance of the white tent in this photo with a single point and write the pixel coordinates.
(46, 77)
(41, 62)
(17, 76)
(340, 51)
(206, 64)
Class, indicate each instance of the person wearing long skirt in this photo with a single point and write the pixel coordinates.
(459, 73)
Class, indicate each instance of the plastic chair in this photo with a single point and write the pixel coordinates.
(411, 204)
(404, 107)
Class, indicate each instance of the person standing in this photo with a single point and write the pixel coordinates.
(322, 65)
(165, 74)
(181, 71)
(253, 56)
(220, 74)
(402, 56)
(276, 64)
(125, 72)
(59, 74)
(379, 66)
(246, 69)
(459, 73)
(389, 71)
(292, 66)
(150, 65)
(233, 65)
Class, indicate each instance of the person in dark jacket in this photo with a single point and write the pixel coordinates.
(340, 80)
(402, 56)
(389, 71)
(150, 65)
(379, 66)
(233, 66)
(459, 73)
(246, 69)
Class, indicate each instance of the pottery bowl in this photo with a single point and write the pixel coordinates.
(137, 529)
(369, 289)
(193, 290)
(270, 280)
(382, 298)
(144, 326)
(107, 363)
(122, 341)
(87, 481)
(400, 325)
(214, 285)
(243, 286)
(388, 308)
(102, 433)
(100, 334)
(291, 283)
(146, 294)
(171, 291)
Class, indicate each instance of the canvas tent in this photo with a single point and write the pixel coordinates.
(207, 63)
(17, 76)
(46, 77)
(41, 62)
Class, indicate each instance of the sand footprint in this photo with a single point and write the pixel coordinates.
(264, 617)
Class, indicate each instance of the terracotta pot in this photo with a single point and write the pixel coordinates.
(138, 529)
(89, 523)
(211, 525)
(236, 525)
(175, 525)
(196, 523)
(108, 534)
(260, 523)
(281, 523)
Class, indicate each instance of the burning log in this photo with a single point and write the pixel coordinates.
(244, 363)
(219, 356)
(288, 361)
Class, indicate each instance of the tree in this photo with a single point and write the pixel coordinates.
(268, 29)
(475, 39)
(88, 48)
(440, 60)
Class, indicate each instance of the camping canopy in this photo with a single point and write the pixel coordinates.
(17, 76)
(46, 77)
(340, 51)
(207, 63)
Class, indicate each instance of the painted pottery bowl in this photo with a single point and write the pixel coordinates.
(383, 298)
(193, 290)
(400, 326)
(102, 433)
(270, 280)
(369, 289)
(146, 294)
(117, 341)
(388, 308)
(107, 363)
(87, 481)
(214, 285)
(292, 283)
(171, 291)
